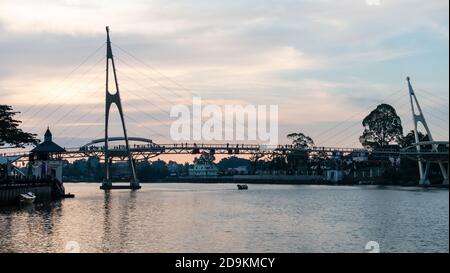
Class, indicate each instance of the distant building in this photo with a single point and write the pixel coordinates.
(174, 169)
(360, 156)
(121, 171)
(200, 169)
(241, 170)
(335, 176)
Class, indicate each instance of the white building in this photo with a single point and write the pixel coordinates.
(335, 176)
(45, 161)
(360, 156)
(241, 170)
(203, 170)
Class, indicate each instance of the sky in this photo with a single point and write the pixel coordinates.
(326, 64)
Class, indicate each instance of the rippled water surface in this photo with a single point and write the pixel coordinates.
(219, 218)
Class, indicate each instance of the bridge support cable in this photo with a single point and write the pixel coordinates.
(110, 100)
(157, 83)
(193, 94)
(441, 101)
(164, 123)
(346, 129)
(38, 122)
(144, 99)
(61, 92)
(60, 117)
(80, 133)
(329, 133)
(67, 76)
(153, 133)
(418, 117)
(74, 108)
(88, 113)
(358, 126)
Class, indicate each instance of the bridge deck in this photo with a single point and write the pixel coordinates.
(150, 150)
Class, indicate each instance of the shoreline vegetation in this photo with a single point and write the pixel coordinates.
(275, 180)
(298, 165)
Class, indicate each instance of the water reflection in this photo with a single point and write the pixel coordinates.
(217, 218)
(107, 222)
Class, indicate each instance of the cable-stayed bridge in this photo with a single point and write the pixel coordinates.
(141, 148)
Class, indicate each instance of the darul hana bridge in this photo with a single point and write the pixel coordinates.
(425, 152)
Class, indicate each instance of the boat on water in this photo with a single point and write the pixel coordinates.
(242, 187)
(69, 195)
(27, 198)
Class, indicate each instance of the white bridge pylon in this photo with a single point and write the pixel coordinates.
(423, 161)
(114, 98)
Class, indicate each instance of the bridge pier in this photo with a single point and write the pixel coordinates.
(445, 172)
(110, 186)
(424, 181)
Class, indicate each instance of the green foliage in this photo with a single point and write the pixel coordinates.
(409, 139)
(10, 133)
(233, 162)
(295, 161)
(299, 140)
(205, 158)
(382, 127)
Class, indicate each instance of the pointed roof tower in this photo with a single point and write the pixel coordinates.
(48, 135)
(48, 146)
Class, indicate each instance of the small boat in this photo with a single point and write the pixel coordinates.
(27, 198)
(242, 187)
(69, 195)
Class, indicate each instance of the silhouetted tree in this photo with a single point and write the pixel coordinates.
(298, 160)
(410, 139)
(299, 140)
(256, 163)
(382, 126)
(205, 158)
(232, 162)
(10, 134)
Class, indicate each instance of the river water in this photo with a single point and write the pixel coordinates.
(219, 218)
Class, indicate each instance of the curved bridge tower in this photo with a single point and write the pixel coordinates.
(419, 117)
(114, 98)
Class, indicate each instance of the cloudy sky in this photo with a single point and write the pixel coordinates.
(325, 63)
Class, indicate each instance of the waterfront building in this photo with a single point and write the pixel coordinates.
(241, 170)
(45, 161)
(335, 176)
(360, 156)
(203, 169)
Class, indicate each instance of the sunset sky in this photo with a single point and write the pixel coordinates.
(326, 64)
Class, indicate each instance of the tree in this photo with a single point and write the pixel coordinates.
(256, 161)
(232, 162)
(382, 126)
(299, 140)
(205, 158)
(410, 139)
(10, 134)
(297, 161)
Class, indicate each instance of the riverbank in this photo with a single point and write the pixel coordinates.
(250, 179)
(9, 193)
(44, 190)
(272, 180)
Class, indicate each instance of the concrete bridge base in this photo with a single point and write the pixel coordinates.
(120, 187)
